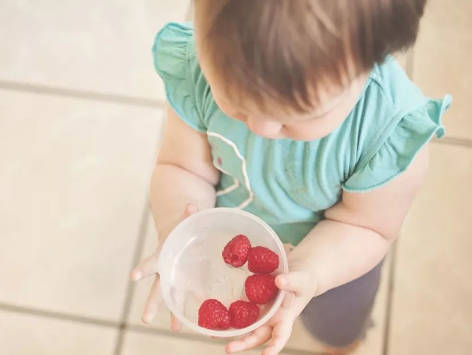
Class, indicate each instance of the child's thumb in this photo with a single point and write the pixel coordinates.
(295, 281)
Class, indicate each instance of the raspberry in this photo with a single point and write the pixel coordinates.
(235, 252)
(243, 314)
(261, 260)
(212, 314)
(260, 288)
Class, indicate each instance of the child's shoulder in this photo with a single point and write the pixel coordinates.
(391, 122)
(173, 50)
(390, 101)
(175, 61)
(396, 87)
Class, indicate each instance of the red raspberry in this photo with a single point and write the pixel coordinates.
(212, 314)
(261, 260)
(243, 314)
(235, 252)
(261, 288)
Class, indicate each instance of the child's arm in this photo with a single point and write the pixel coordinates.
(183, 181)
(353, 238)
(184, 174)
(357, 232)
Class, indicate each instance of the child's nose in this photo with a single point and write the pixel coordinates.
(264, 128)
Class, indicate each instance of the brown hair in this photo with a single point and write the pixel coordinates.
(274, 46)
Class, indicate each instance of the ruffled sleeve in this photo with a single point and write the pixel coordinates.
(174, 64)
(396, 152)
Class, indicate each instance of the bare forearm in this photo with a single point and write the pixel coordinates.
(172, 188)
(335, 253)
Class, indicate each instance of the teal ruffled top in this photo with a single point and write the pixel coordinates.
(291, 183)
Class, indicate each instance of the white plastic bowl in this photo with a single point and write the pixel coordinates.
(192, 269)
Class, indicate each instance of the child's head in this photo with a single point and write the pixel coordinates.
(295, 68)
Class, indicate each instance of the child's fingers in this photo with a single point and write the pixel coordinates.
(257, 337)
(149, 265)
(175, 324)
(150, 310)
(146, 267)
(280, 335)
(295, 281)
(271, 350)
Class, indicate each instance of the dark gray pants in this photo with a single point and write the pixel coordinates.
(340, 316)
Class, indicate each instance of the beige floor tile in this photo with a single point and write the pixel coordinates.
(302, 340)
(441, 59)
(73, 183)
(89, 45)
(143, 344)
(23, 334)
(432, 309)
(372, 345)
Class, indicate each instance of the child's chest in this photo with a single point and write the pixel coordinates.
(281, 178)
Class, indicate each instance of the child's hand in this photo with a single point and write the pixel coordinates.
(148, 267)
(300, 290)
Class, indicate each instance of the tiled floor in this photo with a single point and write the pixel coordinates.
(80, 121)
(431, 310)
(22, 333)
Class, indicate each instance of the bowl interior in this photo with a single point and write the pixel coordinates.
(192, 269)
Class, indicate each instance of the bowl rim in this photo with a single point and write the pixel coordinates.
(275, 305)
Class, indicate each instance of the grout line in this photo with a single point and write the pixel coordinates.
(201, 339)
(123, 326)
(391, 288)
(156, 331)
(463, 142)
(134, 101)
(81, 94)
(57, 315)
(130, 286)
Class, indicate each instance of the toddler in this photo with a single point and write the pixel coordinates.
(295, 111)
